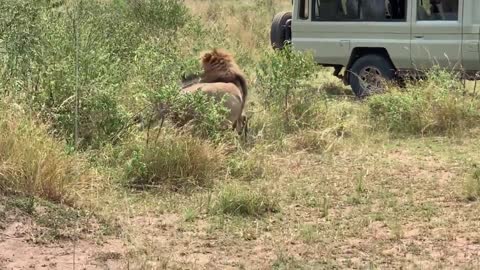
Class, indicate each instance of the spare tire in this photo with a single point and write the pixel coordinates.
(278, 31)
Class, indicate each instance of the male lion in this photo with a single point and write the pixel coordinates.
(222, 79)
(232, 99)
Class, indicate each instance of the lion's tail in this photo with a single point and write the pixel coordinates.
(244, 88)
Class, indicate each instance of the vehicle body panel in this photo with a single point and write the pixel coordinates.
(332, 43)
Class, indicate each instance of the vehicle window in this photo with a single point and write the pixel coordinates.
(359, 10)
(437, 10)
(304, 9)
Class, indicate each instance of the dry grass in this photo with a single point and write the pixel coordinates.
(34, 164)
(398, 203)
(316, 141)
(178, 161)
(246, 24)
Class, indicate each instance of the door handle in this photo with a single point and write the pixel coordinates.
(345, 43)
(419, 36)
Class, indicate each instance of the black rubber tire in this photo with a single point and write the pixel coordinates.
(386, 69)
(277, 31)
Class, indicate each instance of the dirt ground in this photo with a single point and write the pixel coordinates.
(398, 206)
(19, 250)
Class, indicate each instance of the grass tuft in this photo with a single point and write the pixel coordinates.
(472, 186)
(308, 233)
(177, 161)
(239, 200)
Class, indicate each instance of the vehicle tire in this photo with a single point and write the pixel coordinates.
(278, 32)
(369, 73)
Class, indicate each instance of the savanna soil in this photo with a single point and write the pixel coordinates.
(394, 204)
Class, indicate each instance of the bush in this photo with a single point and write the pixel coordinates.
(282, 89)
(55, 48)
(435, 106)
(204, 114)
(172, 160)
(241, 201)
(33, 164)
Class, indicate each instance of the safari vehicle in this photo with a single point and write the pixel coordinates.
(370, 41)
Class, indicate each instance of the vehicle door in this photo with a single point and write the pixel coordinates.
(336, 27)
(471, 36)
(436, 36)
(320, 27)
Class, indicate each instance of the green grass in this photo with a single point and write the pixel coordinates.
(239, 200)
(190, 215)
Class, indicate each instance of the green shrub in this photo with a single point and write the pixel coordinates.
(282, 89)
(202, 115)
(48, 43)
(208, 114)
(399, 112)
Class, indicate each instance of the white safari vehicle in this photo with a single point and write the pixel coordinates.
(367, 41)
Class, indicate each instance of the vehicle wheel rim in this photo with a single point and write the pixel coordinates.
(371, 80)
